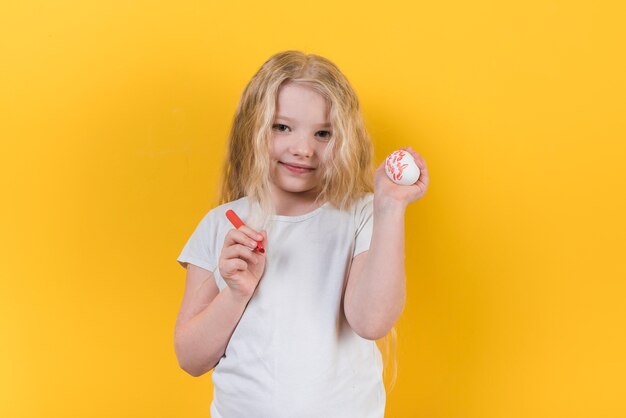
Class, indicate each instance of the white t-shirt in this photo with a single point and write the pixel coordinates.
(293, 353)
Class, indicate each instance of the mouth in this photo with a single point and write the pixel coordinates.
(297, 168)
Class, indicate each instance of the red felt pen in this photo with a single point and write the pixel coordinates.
(237, 223)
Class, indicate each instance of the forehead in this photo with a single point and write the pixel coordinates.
(296, 99)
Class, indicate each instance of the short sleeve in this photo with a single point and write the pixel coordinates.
(364, 222)
(199, 249)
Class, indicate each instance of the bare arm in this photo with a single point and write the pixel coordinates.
(376, 292)
(206, 321)
(208, 317)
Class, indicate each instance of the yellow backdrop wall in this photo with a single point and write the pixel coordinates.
(113, 121)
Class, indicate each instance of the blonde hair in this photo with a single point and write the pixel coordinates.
(346, 176)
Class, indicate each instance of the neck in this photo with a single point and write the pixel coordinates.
(294, 204)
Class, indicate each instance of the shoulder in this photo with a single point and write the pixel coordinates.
(214, 225)
(363, 205)
(363, 211)
(366, 199)
(217, 215)
(358, 213)
(214, 222)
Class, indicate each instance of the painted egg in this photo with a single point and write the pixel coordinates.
(401, 168)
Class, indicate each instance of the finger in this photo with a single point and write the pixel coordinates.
(421, 185)
(233, 266)
(424, 176)
(255, 235)
(240, 251)
(421, 162)
(414, 154)
(423, 181)
(236, 236)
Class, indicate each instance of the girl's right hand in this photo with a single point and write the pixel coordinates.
(240, 265)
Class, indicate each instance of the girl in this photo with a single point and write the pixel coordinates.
(290, 332)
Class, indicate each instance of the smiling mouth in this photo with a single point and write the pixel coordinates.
(297, 169)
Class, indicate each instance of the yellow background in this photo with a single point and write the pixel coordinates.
(113, 121)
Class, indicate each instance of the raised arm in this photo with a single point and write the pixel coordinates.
(376, 290)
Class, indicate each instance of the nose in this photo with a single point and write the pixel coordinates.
(302, 146)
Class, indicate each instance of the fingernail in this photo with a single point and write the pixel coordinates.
(252, 244)
(259, 237)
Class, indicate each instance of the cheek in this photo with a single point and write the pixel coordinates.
(273, 146)
(325, 160)
(325, 154)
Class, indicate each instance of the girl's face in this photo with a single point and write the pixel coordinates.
(300, 136)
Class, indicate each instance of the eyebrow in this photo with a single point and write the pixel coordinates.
(324, 125)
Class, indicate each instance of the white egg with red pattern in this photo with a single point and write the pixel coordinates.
(401, 168)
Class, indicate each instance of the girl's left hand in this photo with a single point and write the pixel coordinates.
(389, 192)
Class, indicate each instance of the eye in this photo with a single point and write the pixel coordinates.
(325, 134)
(279, 127)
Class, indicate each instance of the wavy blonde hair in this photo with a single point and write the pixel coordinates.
(346, 176)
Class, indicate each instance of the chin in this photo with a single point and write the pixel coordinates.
(290, 187)
(295, 189)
